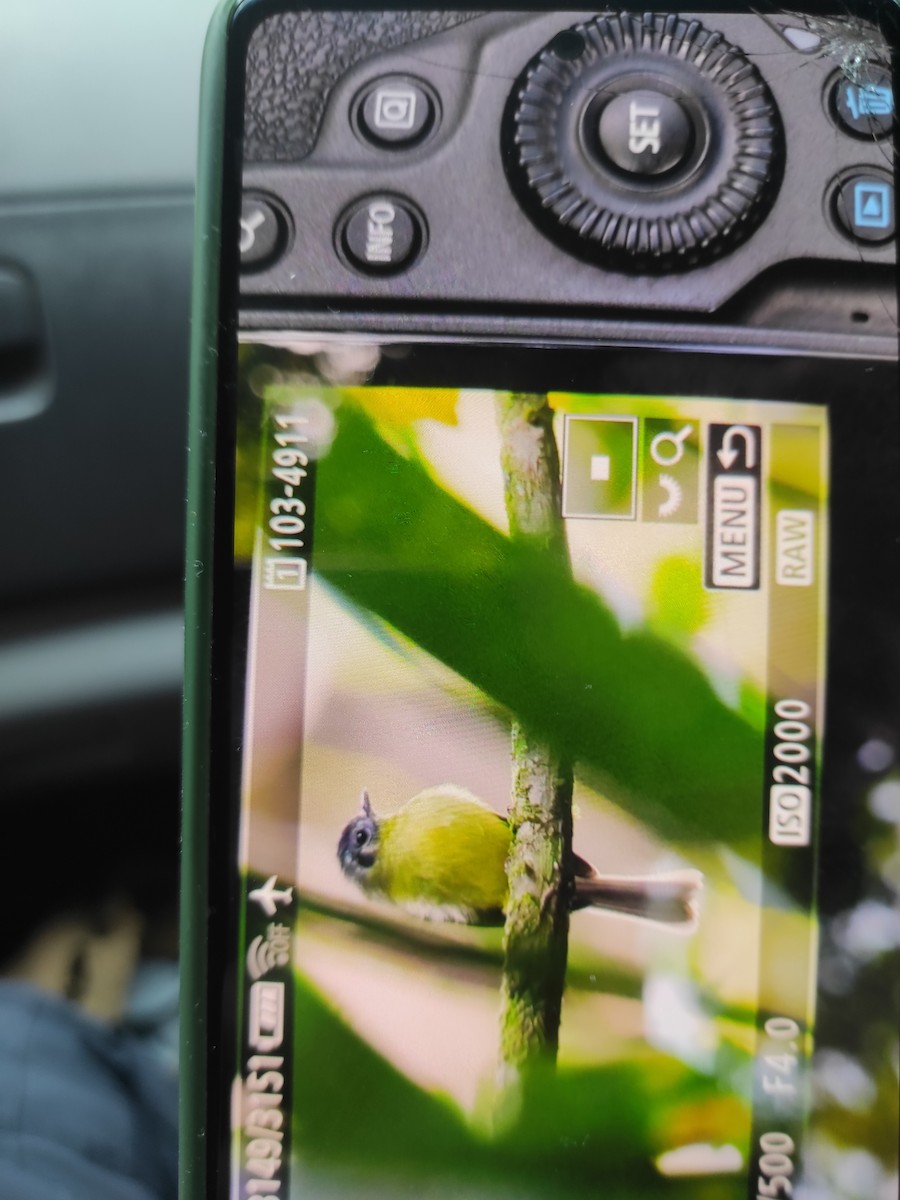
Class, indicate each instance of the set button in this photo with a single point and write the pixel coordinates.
(381, 234)
(645, 133)
(646, 144)
(864, 206)
(395, 112)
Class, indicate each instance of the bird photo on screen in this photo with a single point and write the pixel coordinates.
(442, 857)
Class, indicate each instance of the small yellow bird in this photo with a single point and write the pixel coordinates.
(442, 857)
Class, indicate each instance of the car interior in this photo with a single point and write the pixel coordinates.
(99, 104)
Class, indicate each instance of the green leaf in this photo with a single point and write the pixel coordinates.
(358, 1116)
(351, 1105)
(678, 603)
(639, 715)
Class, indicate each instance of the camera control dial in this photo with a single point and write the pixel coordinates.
(647, 144)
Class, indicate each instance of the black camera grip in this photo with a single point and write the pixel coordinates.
(295, 59)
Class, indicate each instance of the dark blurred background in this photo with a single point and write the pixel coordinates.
(98, 118)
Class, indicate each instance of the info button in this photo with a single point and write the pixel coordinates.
(381, 235)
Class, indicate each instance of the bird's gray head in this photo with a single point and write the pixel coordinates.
(359, 842)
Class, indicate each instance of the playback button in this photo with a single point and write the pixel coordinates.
(381, 235)
(864, 206)
(395, 112)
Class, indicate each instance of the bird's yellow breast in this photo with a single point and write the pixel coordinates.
(444, 851)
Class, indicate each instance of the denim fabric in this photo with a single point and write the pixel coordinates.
(85, 1112)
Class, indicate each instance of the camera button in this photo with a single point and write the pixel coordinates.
(865, 108)
(381, 235)
(644, 144)
(263, 232)
(395, 112)
(864, 206)
(645, 133)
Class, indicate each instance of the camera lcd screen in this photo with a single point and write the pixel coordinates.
(417, 661)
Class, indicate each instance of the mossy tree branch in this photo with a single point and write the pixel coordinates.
(536, 933)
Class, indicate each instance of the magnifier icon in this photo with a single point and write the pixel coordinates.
(667, 449)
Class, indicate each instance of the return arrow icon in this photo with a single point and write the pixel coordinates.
(728, 455)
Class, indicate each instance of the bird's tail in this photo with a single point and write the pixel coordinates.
(672, 898)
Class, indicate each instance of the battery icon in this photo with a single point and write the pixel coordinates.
(266, 1021)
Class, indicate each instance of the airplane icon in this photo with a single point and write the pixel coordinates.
(268, 897)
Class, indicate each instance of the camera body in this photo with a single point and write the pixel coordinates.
(663, 170)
